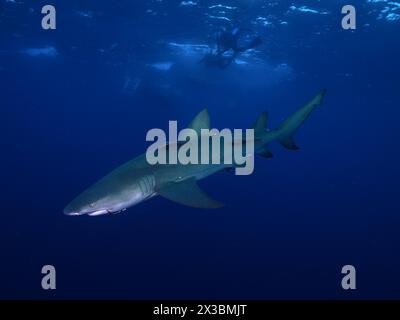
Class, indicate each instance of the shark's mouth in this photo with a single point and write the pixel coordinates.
(92, 213)
(103, 212)
(98, 213)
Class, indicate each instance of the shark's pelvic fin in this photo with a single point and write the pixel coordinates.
(201, 121)
(289, 127)
(188, 193)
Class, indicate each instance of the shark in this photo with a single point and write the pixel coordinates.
(137, 181)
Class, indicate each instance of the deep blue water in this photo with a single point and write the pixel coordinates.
(70, 113)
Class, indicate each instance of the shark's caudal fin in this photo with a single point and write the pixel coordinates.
(288, 128)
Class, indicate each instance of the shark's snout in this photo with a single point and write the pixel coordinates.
(93, 213)
(71, 212)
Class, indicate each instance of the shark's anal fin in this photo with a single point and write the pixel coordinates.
(264, 152)
(288, 143)
(188, 193)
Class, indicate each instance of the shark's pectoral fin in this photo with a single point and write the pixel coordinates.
(189, 194)
(288, 143)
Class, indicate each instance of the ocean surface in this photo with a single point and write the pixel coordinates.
(77, 101)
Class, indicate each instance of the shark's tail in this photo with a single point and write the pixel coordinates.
(284, 134)
(289, 127)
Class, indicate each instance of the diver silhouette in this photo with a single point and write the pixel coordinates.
(228, 39)
(228, 47)
(215, 59)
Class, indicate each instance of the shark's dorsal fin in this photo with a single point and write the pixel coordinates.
(188, 193)
(201, 121)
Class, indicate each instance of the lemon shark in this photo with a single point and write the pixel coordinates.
(137, 180)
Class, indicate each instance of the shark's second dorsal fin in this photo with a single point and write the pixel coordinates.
(261, 124)
(188, 193)
(201, 121)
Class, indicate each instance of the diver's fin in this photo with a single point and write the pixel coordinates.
(288, 128)
(261, 124)
(264, 152)
(188, 193)
(201, 121)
